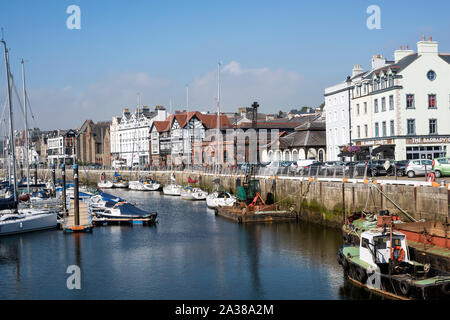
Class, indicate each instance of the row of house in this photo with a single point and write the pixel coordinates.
(156, 138)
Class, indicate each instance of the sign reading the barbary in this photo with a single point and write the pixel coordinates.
(428, 140)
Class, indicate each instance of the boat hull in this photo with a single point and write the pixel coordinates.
(396, 286)
(29, 224)
(245, 214)
(172, 191)
(105, 185)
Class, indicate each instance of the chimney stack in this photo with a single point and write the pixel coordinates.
(357, 69)
(427, 47)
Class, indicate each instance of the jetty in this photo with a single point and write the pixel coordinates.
(84, 224)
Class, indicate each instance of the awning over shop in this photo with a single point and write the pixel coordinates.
(345, 154)
(382, 148)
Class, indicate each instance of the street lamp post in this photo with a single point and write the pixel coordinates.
(349, 82)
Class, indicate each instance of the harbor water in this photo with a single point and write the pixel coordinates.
(189, 254)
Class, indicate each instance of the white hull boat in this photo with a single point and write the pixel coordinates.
(121, 184)
(222, 199)
(172, 190)
(193, 194)
(26, 220)
(152, 186)
(105, 184)
(136, 185)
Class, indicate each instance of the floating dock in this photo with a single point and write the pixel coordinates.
(120, 221)
(85, 219)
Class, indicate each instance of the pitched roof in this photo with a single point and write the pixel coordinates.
(210, 121)
(397, 67)
(163, 126)
(445, 57)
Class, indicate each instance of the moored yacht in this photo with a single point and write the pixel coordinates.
(190, 193)
(220, 198)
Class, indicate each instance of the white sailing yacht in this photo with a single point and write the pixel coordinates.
(13, 221)
(219, 198)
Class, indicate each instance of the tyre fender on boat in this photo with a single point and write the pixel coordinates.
(345, 264)
(405, 287)
(361, 275)
(445, 288)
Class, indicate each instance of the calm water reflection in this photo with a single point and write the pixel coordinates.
(190, 254)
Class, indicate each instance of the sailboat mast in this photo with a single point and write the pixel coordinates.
(11, 126)
(26, 128)
(218, 115)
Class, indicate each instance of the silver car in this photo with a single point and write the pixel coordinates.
(417, 167)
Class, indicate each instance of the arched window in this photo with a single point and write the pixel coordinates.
(294, 155)
(321, 155)
(287, 155)
(301, 154)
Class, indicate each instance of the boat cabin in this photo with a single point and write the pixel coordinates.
(376, 248)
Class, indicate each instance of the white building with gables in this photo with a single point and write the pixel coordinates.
(130, 135)
(400, 109)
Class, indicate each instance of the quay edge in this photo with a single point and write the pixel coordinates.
(322, 202)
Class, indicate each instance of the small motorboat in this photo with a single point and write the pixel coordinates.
(220, 198)
(193, 194)
(121, 184)
(105, 184)
(152, 185)
(136, 185)
(125, 210)
(26, 220)
(172, 190)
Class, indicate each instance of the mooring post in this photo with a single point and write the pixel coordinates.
(343, 201)
(75, 195)
(53, 179)
(63, 174)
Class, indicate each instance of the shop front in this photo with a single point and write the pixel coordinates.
(378, 148)
(426, 147)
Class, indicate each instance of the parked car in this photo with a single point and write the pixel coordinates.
(399, 168)
(441, 167)
(417, 167)
(374, 168)
(95, 166)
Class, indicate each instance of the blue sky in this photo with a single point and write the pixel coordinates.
(280, 53)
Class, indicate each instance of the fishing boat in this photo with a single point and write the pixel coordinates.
(428, 241)
(193, 194)
(381, 263)
(220, 198)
